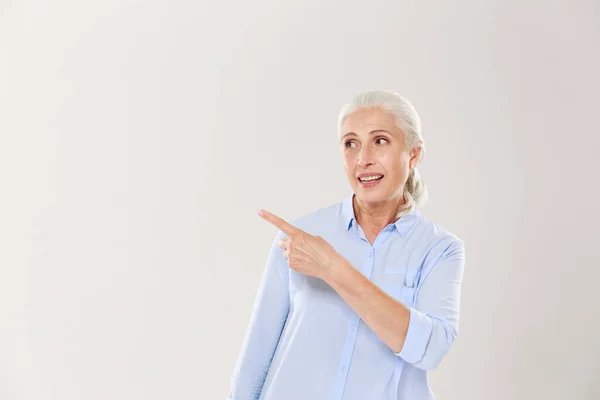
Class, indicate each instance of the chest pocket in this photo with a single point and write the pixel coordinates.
(407, 295)
(404, 292)
(406, 277)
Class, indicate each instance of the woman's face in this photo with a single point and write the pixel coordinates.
(372, 143)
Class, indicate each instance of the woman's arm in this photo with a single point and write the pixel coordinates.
(422, 335)
(269, 314)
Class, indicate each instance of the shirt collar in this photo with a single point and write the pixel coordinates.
(403, 224)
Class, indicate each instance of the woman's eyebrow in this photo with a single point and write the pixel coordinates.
(370, 133)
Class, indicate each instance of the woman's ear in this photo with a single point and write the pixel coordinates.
(415, 155)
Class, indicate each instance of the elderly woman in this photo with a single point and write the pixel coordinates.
(360, 299)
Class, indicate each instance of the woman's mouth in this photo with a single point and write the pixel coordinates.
(370, 182)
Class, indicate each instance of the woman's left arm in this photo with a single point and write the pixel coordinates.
(421, 335)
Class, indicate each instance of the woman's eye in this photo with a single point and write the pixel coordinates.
(347, 144)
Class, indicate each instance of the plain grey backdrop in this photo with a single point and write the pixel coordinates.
(138, 139)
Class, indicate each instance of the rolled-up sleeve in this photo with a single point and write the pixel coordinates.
(433, 324)
(269, 314)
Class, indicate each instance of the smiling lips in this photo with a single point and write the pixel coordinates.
(369, 177)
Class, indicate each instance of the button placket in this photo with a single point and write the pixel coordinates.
(352, 333)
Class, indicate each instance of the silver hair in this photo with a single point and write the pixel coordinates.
(407, 119)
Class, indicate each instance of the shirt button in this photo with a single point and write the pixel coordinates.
(352, 328)
(344, 369)
(371, 253)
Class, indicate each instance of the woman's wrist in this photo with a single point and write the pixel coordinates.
(335, 270)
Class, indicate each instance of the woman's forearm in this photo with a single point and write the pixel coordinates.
(421, 334)
(387, 317)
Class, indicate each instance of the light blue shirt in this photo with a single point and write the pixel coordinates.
(305, 343)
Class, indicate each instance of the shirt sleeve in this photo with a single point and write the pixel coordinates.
(433, 324)
(269, 314)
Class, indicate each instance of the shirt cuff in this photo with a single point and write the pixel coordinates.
(419, 332)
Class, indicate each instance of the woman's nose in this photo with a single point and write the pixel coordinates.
(365, 156)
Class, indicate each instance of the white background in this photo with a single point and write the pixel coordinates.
(138, 139)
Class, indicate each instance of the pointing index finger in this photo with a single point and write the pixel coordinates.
(279, 222)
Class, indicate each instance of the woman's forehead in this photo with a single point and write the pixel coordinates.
(367, 120)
